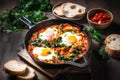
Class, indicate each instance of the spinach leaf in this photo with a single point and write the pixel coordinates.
(61, 57)
(77, 51)
(36, 43)
(45, 43)
(54, 44)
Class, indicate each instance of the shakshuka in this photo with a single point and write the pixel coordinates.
(57, 44)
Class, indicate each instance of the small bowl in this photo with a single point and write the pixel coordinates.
(95, 25)
(64, 17)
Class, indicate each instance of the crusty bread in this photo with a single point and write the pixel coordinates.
(111, 37)
(14, 67)
(22, 71)
(29, 75)
(58, 10)
(112, 47)
(72, 10)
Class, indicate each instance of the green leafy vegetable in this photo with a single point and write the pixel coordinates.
(57, 53)
(77, 51)
(54, 44)
(64, 58)
(102, 52)
(61, 27)
(49, 52)
(45, 43)
(31, 9)
(61, 57)
(59, 39)
(36, 43)
(95, 34)
(72, 57)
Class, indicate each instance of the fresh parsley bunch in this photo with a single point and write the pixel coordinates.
(97, 36)
(31, 9)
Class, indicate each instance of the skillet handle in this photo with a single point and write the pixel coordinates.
(80, 65)
(27, 22)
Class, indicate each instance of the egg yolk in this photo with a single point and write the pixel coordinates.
(72, 39)
(45, 52)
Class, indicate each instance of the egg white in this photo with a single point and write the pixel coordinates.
(65, 40)
(48, 33)
(38, 51)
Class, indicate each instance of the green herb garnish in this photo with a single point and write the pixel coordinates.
(61, 27)
(71, 30)
(59, 39)
(48, 52)
(102, 52)
(31, 9)
(63, 45)
(55, 44)
(45, 43)
(95, 34)
(77, 50)
(57, 53)
(35, 42)
(61, 57)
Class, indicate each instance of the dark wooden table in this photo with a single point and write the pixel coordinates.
(11, 43)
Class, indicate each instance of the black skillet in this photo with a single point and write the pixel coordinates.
(34, 28)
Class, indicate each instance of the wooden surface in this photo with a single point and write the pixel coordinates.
(11, 43)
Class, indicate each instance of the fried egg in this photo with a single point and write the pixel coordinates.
(43, 53)
(48, 33)
(69, 38)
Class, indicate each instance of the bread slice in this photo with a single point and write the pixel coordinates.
(112, 47)
(29, 75)
(58, 10)
(72, 10)
(14, 67)
(111, 38)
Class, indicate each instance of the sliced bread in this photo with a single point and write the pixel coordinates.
(14, 67)
(29, 75)
(72, 10)
(112, 47)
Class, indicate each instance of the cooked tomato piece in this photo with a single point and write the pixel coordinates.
(100, 18)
